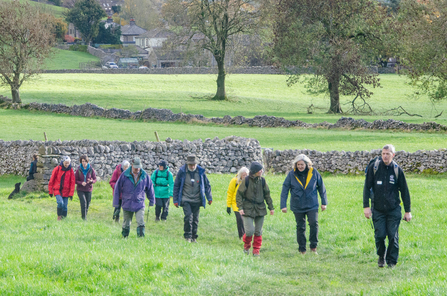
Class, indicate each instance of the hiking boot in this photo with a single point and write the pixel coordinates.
(187, 239)
(314, 251)
(125, 232)
(391, 265)
(157, 219)
(140, 231)
(256, 253)
(247, 251)
(193, 240)
(381, 261)
(117, 219)
(163, 220)
(303, 252)
(59, 218)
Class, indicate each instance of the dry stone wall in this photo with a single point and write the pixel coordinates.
(421, 161)
(215, 155)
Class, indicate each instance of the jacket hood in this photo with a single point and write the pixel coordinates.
(128, 174)
(184, 169)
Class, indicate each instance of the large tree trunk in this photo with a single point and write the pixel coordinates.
(334, 93)
(15, 95)
(220, 94)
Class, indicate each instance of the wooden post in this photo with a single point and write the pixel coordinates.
(156, 136)
(45, 135)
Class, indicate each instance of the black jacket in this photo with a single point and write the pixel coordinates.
(385, 188)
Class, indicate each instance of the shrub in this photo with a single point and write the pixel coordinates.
(78, 47)
(69, 39)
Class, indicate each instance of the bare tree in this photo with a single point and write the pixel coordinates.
(209, 24)
(26, 39)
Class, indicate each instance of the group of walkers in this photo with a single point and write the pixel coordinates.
(248, 195)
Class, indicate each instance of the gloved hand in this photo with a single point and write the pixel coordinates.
(51, 194)
(229, 210)
(176, 204)
(210, 202)
(70, 197)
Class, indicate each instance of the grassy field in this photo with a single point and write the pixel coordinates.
(249, 95)
(66, 59)
(40, 256)
(57, 11)
(25, 125)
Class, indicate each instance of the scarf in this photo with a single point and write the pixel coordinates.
(85, 171)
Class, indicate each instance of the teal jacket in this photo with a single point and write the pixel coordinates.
(163, 187)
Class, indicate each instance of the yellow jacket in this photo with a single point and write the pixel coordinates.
(231, 194)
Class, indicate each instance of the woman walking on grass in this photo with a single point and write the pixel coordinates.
(250, 198)
(62, 185)
(85, 178)
(303, 182)
(231, 199)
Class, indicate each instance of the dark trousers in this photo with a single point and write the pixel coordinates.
(240, 224)
(116, 212)
(85, 197)
(387, 224)
(191, 211)
(312, 218)
(161, 207)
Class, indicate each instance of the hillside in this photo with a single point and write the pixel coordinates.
(66, 59)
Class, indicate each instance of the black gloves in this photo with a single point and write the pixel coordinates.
(51, 195)
(229, 211)
(70, 197)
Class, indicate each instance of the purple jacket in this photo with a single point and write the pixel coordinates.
(132, 194)
(79, 178)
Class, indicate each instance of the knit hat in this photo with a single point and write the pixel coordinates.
(163, 164)
(66, 158)
(136, 163)
(255, 167)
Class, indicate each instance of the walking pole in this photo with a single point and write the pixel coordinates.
(147, 215)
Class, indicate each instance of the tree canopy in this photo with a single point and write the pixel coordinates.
(86, 15)
(26, 39)
(334, 40)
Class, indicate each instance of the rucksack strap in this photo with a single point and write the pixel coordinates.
(395, 167)
(247, 179)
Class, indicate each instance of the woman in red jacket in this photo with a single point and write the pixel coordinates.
(85, 178)
(62, 185)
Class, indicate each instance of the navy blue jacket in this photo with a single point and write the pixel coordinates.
(303, 197)
(205, 187)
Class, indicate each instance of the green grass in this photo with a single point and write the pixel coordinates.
(57, 11)
(25, 125)
(249, 95)
(66, 59)
(40, 256)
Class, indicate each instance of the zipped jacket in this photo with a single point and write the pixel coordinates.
(132, 194)
(62, 181)
(252, 199)
(386, 188)
(163, 186)
(231, 194)
(79, 178)
(205, 187)
(303, 197)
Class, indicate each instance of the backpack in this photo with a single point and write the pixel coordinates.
(376, 160)
(156, 177)
(247, 179)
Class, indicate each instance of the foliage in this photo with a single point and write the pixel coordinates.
(145, 13)
(69, 39)
(209, 25)
(425, 47)
(60, 29)
(41, 256)
(336, 40)
(110, 35)
(78, 47)
(56, 2)
(26, 38)
(86, 15)
(116, 9)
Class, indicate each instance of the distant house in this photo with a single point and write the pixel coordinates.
(130, 32)
(153, 38)
(72, 31)
(109, 23)
(128, 63)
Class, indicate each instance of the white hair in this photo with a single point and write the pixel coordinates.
(389, 147)
(125, 164)
(304, 158)
(239, 174)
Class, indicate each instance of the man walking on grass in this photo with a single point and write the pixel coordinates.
(386, 179)
(132, 185)
(191, 187)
